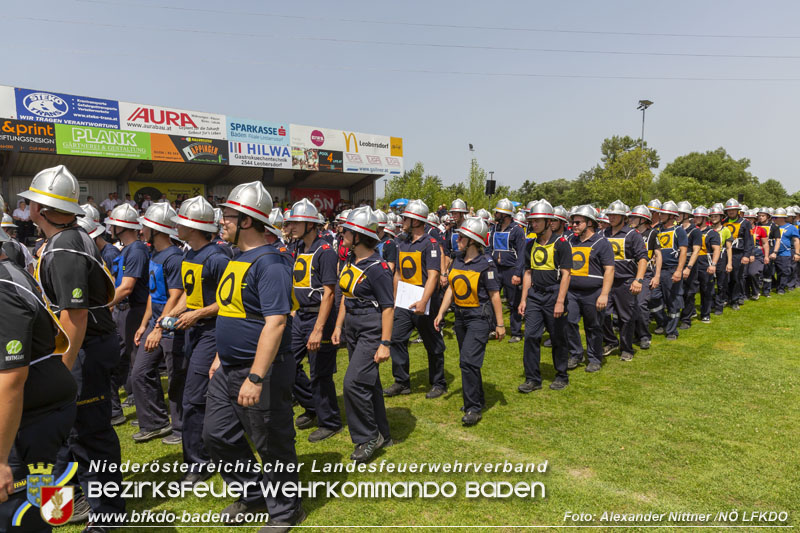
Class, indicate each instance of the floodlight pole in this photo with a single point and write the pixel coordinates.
(643, 105)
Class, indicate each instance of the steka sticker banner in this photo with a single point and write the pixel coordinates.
(27, 136)
(8, 105)
(188, 149)
(43, 106)
(373, 164)
(326, 200)
(330, 161)
(100, 142)
(259, 155)
(305, 158)
(155, 119)
(257, 131)
(138, 189)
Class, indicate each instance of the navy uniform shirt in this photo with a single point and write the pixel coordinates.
(77, 280)
(313, 268)
(109, 253)
(414, 259)
(708, 239)
(367, 284)
(629, 248)
(472, 281)
(508, 247)
(13, 250)
(450, 243)
(545, 261)
(650, 237)
(694, 237)
(773, 234)
(165, 274)
(28, 337)
(740, 232)
(226, 247)
(387, 248)
(201, 272)
(257, 284)
(133, 262)
(589, 259)
(671, 241)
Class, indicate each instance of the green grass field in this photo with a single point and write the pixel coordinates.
(708, 423)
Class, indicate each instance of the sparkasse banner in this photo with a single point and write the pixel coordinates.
(155, 119)
(258, 131)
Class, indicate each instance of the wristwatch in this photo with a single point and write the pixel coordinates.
(386, 343)
(255, 378)
(639, 280)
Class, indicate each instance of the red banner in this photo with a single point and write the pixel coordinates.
(326, 200)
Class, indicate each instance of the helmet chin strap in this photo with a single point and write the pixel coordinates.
(239, 218)
(69, 224)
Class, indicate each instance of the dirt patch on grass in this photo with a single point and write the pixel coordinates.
(581, 473)
(731, 346)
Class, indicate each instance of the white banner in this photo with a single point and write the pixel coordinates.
(314, 137)
(155, 119)
(366, 143)
(373, 164)
(259, 155)
(8, 105)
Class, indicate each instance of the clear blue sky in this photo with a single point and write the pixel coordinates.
(282, 67)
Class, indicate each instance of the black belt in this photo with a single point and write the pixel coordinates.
(363, 311)
(309, 309)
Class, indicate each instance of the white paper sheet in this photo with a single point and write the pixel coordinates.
(408, 294)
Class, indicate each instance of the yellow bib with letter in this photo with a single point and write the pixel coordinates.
(192, 276)
(410, 265)
(580, 260)
(618, 246)
(734, 228)
(229, 290)
(349, 278)
(666, 238)
(465, 287)
(543, 256)
(703, 250)
(301, 275)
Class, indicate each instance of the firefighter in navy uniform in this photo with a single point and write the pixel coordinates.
(474, 288)
(640, 217)
(773, 234)
(742, 249)
(548, 261)
(201, 272)
(507, 248)
(630, 266)
(313, 282)
(591, 278)
(786, 251)
(759, 259)
(159, 343)
(706, 263)
(458, 213)
(250, 392)
(418, 264)
(108, 251)
(674, 247)
(38, 391)
(78, 286)
(691, 285)
(130, 298)
(364, 324)
(387, 247)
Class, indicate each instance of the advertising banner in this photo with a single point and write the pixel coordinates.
(156, 189)
(326, 200)
(330, 160)
(188, 149)
(257, 131)
(312, 137)
(373, 164)
(154, 119)
(43, 106)
(305, 158)
(366, 144)
(259, 155)
(101, 142)
(8, 105)
(27, 136)
(397, 146)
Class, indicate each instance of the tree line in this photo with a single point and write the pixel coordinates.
(625, 172)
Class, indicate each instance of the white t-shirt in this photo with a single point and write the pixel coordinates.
(108, 204)
(146, 204)
(22, 214)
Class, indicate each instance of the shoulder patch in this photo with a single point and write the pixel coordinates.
(433, 240)
(562, 239)
(283, 249)
(325, 246)
(384, 265)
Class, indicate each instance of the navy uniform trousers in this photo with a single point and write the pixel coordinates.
(785, 269)
(40, 436)
(472, 327)
(642, 329)
(623, 305)
(317, 395)
(583, 303)
(706, 283)
(269, 424)
(691, 286)
(151, 410)
(200, 348)
(672, 293)
(363, 394)
(404, 322)
(128, 319)
(736, 278)
(755, 273)
(722, 293)
(92, 438)
(513, 295)
(538, 316)
(766, 277)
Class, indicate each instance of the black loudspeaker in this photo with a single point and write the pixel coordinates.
(490, 186)
(741, 197)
